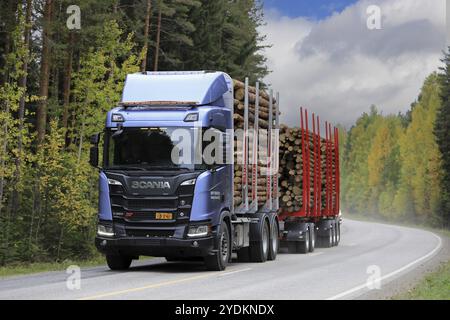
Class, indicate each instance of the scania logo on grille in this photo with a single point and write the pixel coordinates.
(150, 185)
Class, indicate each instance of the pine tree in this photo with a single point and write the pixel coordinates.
(442, 132)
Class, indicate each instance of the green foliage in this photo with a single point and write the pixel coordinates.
(442, 132)
(392, 164)
(48, 191)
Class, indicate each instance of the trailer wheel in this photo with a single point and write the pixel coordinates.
(338, 228)
(259, 251)
(327, 240)
(118, 262)
(312, 238)
(335, 228)
(304, 246)
(274, 241)
(219, 260)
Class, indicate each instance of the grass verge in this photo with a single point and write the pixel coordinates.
(435, 286)
(30, 268)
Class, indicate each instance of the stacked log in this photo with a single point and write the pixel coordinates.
(263, 123)
(292, 193)
(291, 167)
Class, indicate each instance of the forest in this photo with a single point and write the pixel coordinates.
(396, 167)
(56, 84)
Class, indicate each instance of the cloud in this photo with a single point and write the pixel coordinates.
(337, 67)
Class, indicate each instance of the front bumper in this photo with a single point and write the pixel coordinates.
(157, 247)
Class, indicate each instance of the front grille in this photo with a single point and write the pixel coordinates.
(144, 204)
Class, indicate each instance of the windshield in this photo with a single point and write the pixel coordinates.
(151, 148)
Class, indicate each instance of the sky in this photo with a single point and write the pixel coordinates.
(314, 9)
(324, 56)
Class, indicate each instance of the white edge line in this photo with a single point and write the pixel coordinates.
(393, 273)
(232, 272)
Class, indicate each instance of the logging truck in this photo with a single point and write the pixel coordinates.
(190, 169)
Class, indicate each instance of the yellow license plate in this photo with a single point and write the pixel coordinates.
(163, 216)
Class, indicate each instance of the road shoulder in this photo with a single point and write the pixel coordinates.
(400, 286)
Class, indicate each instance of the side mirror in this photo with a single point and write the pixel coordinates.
(95, 139)
(93, 156)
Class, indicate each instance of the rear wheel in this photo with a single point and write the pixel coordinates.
(338, 229)
(259, 251)
(327, 240)
(312, 238)
(118, 262)
(219, 260)
(304, 246)
(274, 241)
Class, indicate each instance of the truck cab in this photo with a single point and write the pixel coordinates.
(158, 195)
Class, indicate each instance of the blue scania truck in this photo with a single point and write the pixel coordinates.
(151, 204)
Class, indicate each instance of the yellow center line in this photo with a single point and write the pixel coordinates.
(151, 286)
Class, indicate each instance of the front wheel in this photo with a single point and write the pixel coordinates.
(219, 260)
(118, 262)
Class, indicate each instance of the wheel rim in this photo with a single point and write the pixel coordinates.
(331, 236)
(313, 239)
(265, 236)
(224, 245)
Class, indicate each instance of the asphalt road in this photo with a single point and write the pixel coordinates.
(368, 251)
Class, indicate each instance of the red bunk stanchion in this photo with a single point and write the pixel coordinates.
(304, 161)
(308, 172)
(326, 168)
(314, 167)
(320, 170)
(336, 153)
(331, 168)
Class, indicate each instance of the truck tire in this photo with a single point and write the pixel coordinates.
(334, 233)
(328, 240)
(304, 246)
(259, 250)
(274, 241)
(118, 262)
(300, 246)
(312, 238)
(219, 260)
(338, 225)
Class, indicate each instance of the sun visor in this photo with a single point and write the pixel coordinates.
(197, 88)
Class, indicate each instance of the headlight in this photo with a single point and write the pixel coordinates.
(117, 118)
(114, 182)
(105, 231)
(191, 117)
(199, 231)
(190, 182)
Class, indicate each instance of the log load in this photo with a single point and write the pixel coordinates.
(291, 166)
(263, 123)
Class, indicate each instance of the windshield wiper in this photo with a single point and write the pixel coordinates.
(166, 168)
(125, 168)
